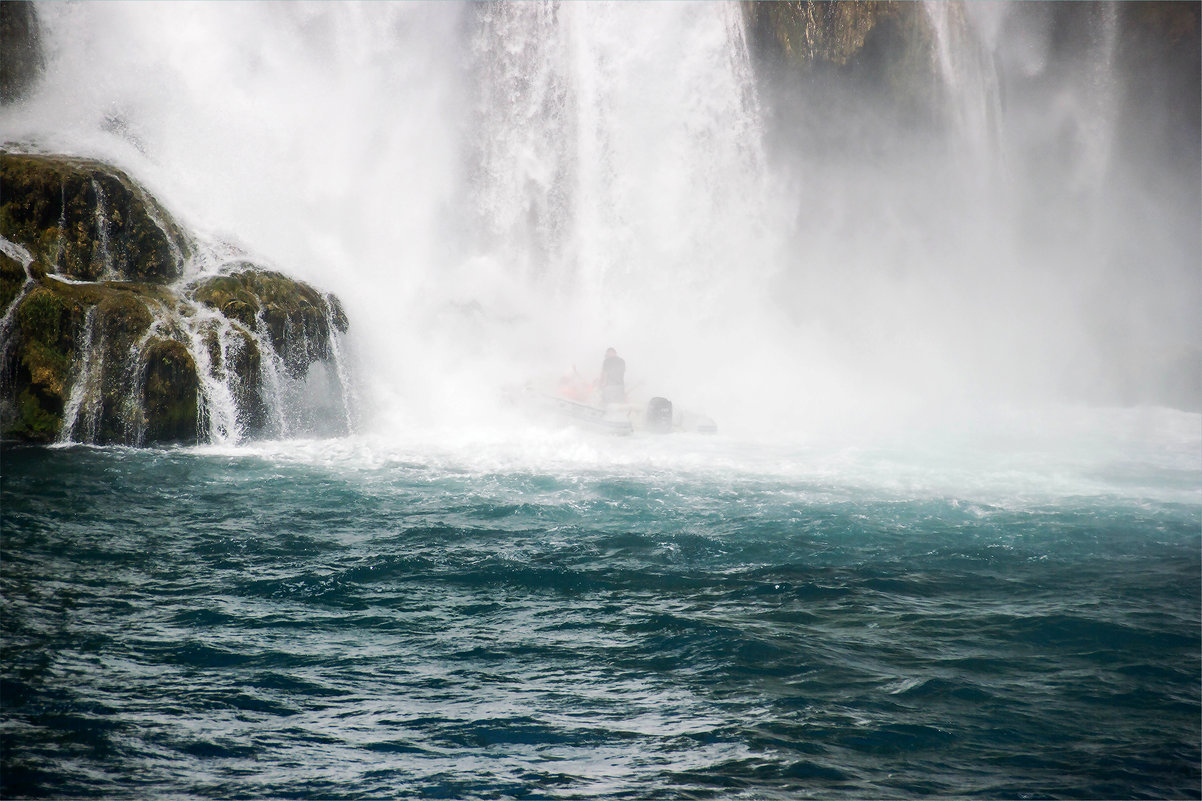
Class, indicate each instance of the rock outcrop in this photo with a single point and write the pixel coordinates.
(88, 220)
(296, 318)
(883, 51)
(107, 337)
(848, 34)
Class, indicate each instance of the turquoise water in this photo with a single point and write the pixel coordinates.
(1001, 616)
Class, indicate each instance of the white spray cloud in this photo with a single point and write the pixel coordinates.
(497, 191)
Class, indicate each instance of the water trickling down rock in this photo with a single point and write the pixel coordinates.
(111, 333)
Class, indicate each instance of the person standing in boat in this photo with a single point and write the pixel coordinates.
(613, 378)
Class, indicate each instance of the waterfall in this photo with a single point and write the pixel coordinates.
(107, 273)
(619, 175)
(969, 75)
(209, 334)
(24, 258)
(346, 391)
(502, 189)
(132, 380)
(85, 390)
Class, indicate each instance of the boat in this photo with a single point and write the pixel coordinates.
(656, 415)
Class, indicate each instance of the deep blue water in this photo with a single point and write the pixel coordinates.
(258, 623)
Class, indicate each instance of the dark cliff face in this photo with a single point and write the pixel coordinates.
(882, 57)
(882, 53)
(1049, 148)
(295, 317)
(1161, 60)
(20, 49)
(101, 339)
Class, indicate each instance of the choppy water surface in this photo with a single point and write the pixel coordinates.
(673, 618)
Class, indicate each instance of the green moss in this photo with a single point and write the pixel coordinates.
(47, 368)
(55, 206)
(12, 277)
(239, 310)
(170, 394)
(44, 317)
(123, 317)
(35, 422)
(293, 315)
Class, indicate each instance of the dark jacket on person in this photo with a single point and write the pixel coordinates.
(613, 378)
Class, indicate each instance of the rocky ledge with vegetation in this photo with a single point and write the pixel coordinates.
(108, 336)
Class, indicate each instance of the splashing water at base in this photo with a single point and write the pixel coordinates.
(499, 192)
(607, 618)
(86, 387)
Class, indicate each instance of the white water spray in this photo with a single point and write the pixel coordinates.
(210, 335)
(107, 273)
(497, 191)
(86, 386)
(23, 257)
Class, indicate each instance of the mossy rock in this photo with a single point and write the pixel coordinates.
(87, 220)
(843, 34)
(241, 311)
(246, 367)
(119, 335)
(124, 317)
(293, 316)
(46, 327)
(21, 52)
(337, 314)
(12, 278)
(141, 389)
(220, 290)
(170, 395)
(47, 356)
(37, 420)
(46, 318)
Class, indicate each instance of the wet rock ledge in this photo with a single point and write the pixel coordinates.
(110, 335)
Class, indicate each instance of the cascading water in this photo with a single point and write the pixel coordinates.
(571, 192)
(24, 258)
(970, 78)
(210, 335)
(628, 200)
(502, 190)
(976, 255)
(346, 392)
(85, 390)
(107, 273)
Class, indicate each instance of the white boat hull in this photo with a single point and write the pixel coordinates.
(655, 416)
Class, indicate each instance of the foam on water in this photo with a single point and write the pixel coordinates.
(292, 622)
(1009, 458)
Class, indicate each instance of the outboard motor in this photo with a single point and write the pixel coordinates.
(659, 415)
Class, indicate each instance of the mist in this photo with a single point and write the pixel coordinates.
(500, 192)
(1028, 231)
